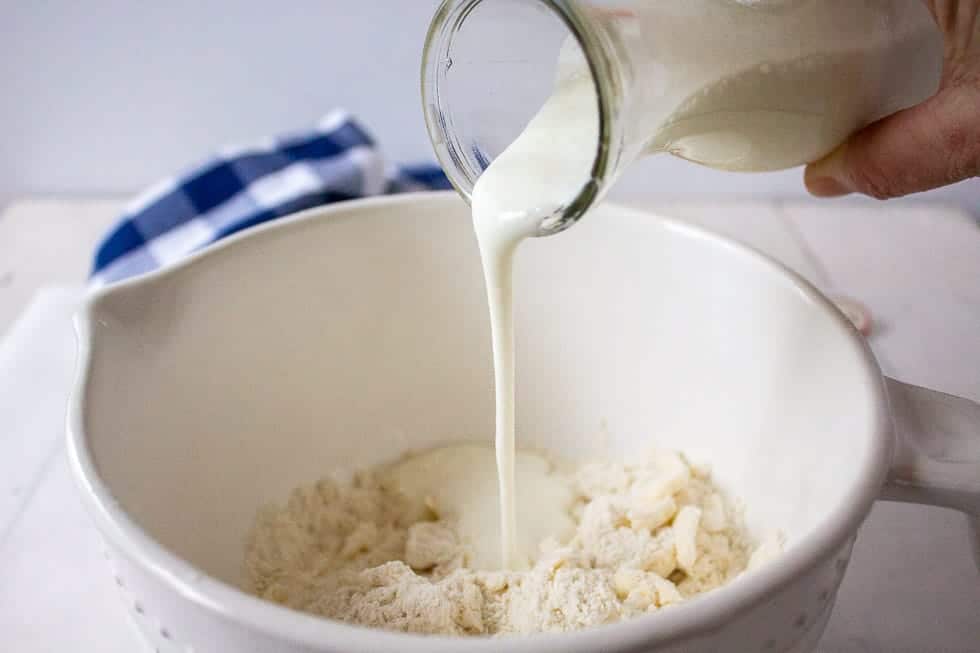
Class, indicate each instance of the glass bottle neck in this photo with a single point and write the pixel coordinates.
(490, 67)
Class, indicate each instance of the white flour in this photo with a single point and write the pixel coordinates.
(647, 535)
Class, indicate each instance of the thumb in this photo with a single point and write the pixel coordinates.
(927, 146)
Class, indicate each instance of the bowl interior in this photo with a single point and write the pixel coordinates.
(343, 339)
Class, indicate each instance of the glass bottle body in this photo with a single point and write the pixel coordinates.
(741, 85)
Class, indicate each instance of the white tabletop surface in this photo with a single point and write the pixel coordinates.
(912, 587)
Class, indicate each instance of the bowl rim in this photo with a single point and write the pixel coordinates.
(703, 614)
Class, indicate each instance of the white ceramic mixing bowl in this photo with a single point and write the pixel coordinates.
(343, 336)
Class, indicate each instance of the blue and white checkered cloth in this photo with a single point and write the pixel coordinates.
(245, 186)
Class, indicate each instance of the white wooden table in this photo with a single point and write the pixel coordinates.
(912, 587)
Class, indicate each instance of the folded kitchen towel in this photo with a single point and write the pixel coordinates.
(244, 186)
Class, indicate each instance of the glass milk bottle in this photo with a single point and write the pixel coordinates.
(741, 85)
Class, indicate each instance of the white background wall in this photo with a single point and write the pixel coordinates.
(109, 95)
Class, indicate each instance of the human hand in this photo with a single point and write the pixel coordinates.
(933, 144)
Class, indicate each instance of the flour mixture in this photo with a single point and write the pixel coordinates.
(403, 547)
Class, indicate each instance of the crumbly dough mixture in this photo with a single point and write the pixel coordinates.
(649, 534)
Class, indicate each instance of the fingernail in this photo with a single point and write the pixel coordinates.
(826, 187)
(824, 177)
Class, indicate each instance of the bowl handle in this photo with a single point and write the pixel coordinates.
(937, 451)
